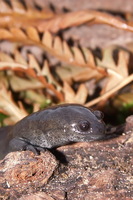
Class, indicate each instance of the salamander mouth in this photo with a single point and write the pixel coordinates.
(97, 137)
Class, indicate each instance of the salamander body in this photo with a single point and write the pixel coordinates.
(51, 128)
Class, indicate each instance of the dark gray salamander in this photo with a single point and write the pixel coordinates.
(52, 127)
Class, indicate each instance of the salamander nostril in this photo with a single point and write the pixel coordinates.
(100, 128)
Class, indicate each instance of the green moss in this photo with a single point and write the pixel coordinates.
(2, 117)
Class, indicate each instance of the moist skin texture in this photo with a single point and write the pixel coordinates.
(52, 127)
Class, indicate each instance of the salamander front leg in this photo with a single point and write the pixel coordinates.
(19, 144)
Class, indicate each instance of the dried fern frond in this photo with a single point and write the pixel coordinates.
(17, 15)
(74, 56)
(77, 18)
(77, 74)
(75, 97)
(118, 74)
(109, 93)
(17, 9)
(33, 70)
(21, 17)
(7, 105)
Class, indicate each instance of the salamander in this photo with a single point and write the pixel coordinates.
(51, 128)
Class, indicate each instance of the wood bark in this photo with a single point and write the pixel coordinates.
(91, 171)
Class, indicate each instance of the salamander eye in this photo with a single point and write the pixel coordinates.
(84, 125)
(98, 114)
